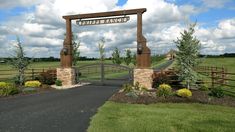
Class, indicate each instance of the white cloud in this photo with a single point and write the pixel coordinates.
(14, 3)
(225, 29)
(43, 30)
(215, 3)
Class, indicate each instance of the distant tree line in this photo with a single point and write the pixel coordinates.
(216, 56)
(48, 59)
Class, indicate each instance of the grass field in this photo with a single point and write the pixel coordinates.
(168, 117)
(228, 62)
(7, 72)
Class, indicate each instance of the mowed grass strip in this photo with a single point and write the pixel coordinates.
(169, 117)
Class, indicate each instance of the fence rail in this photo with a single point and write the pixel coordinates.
(9, 74)
(218, 75)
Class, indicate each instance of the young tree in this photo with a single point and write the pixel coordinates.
(19, 61)
(116, 56)
(187, 56)
(128, 57)
(101, 49)
(76, 52)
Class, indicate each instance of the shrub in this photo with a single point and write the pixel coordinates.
(217, 92)
(48, 77)
(203, 87)
(3, 84)
(9, 89)
(165, 77)
(164, 90)
(127, 87)
(58, 82)
(134, 90)
(160, 78)
(32, 84)
(184, 93)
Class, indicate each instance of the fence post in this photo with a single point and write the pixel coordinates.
(212, 77)
(102, 73)
(32, 74)
(223, 76)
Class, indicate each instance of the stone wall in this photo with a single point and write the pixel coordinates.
(144, 77)
(66, 75)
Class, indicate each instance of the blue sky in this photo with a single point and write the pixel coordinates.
(210, 17)
(41, 28)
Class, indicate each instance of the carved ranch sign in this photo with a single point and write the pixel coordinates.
(103, 21)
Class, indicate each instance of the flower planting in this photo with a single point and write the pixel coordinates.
(186, 93)
(32, 84)
(164, 90)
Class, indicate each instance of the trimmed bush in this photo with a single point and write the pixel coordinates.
(32, 84)
(164, 90)
(184, 93)
(58, 82)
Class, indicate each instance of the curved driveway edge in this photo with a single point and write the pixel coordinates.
(56, 111)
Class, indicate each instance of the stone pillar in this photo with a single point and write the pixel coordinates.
(66, 75)
(144, 77)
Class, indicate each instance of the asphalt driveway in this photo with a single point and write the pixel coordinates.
(56, 111)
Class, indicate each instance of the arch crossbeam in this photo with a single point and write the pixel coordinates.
(143, 52)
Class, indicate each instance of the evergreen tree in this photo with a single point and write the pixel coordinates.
(128, 57)
(116, 56)
(19, 62)
(187, 56)
(76, 52)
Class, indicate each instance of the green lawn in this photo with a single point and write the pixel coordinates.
(168, 117)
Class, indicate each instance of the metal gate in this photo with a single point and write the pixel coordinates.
(104, 74)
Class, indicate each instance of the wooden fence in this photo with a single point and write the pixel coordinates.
(214, 76)
(218, 75)
(30, 74)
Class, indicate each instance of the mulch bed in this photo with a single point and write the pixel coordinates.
(150, 98)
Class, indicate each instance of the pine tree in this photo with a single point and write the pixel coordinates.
(116, 56)
(187, 56)
(128, 57)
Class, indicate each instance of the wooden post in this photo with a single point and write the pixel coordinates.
(223, 76)
(143, 52)
(212, 77)
(32, 74)
(102, 73)
(66, 52)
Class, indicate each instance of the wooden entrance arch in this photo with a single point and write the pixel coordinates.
(143, 52)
